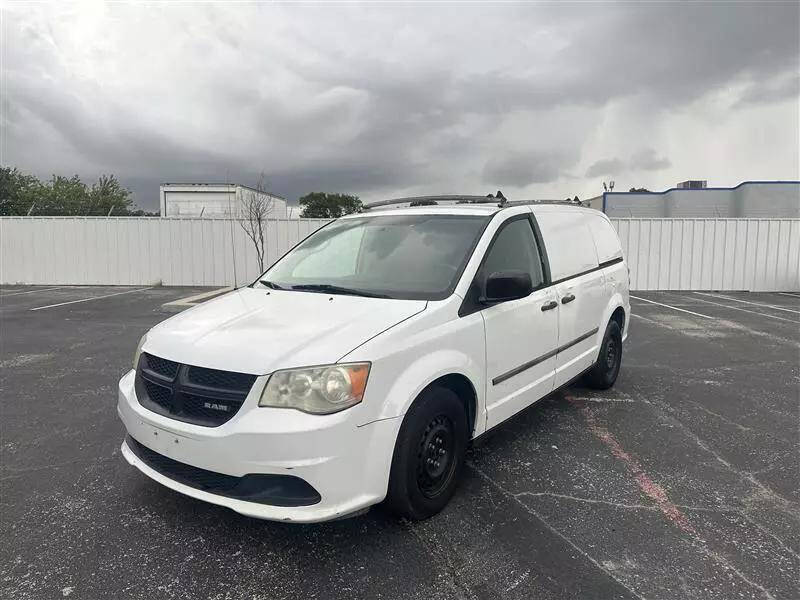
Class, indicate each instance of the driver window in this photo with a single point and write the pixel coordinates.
(515, 249)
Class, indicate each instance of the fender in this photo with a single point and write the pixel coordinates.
(402, 389)
(616, 301)
(409, 357)
(427, 369)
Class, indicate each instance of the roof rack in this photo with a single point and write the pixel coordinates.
(433, 200)
(522, 202)
(500, 201)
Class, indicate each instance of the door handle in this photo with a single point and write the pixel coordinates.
(549, 305)
(567, 299)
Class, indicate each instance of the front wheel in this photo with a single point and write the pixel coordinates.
(428, 456)
(604, 372)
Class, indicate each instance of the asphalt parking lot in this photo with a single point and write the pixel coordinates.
(680, 482)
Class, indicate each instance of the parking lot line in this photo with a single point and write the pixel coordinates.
(92, 298)
(672, 307)
(196, 299)
(60, 287)
(645, 319)
(748, 311)
(788, 294)
(797, 312)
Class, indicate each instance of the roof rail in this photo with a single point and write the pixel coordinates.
(434, 200)
(523, 202)
(499, 200)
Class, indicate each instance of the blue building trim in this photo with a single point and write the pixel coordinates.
(736, 187)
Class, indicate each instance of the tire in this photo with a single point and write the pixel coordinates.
(428, 455)
(604, 372)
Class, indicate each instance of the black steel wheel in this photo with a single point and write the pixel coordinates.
(604, 372)
(428, 455)
(611, 355)
(435, 458)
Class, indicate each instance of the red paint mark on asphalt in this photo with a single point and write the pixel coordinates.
(650, 488)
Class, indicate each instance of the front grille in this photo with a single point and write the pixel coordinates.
(220, 379)
(197, 395)
(277, 490)
(159, 394)
(162, 366)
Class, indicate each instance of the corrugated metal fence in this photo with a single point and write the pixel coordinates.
(663, 254)
(138, 251)
(712, 254)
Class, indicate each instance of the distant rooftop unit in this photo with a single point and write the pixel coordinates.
(214, 200)
(693, 184)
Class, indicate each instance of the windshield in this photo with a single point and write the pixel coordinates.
(417, 257)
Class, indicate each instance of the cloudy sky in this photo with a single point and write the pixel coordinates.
(380, 100)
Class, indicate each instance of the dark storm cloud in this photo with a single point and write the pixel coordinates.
(647, 160)
(372, 100)
(784, 88)
(606, 166)
(521, 169)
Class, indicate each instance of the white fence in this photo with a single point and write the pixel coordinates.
(138, 251)
(663, 254)
(712, 254)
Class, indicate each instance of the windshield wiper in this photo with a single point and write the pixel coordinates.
(335, 289)
(271, 284)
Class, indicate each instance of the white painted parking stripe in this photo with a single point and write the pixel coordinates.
(646, 319)
(60, 287)
(92, 298)
(673, 307)
(797, 312)
(197, 298)
(788, 294)
(747, 311)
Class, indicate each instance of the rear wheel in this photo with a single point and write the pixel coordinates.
(428, 456)
(604, 372)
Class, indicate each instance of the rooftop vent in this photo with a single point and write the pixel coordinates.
(693, 184)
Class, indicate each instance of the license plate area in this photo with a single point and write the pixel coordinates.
(163, 441)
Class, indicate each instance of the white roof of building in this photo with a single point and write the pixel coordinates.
(213, 187)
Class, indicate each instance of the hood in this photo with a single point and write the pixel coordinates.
(258, 331)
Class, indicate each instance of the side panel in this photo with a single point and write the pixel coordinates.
(617, 277)
(569, 243)
(579, 285)
(520, 354)
(605, 238)
(579, 324)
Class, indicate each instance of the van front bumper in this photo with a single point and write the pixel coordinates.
(267, 463)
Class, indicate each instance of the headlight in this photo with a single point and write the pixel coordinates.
(317, 390)
(139, 351)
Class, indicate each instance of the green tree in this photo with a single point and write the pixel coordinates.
(18, 191)
(319, 205)
(107, 194)
(62, 196)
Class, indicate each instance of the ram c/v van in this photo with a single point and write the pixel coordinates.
(358, 368)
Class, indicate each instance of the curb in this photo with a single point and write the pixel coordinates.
(184, 303)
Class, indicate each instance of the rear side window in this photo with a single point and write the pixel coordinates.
(515, 249)
(569, 243)
(606, 239)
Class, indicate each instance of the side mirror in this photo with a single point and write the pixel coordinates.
(502, 286)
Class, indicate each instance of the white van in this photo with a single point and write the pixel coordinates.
(359, 366)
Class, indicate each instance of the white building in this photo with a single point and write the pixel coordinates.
(750, 199)
(214, 200)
